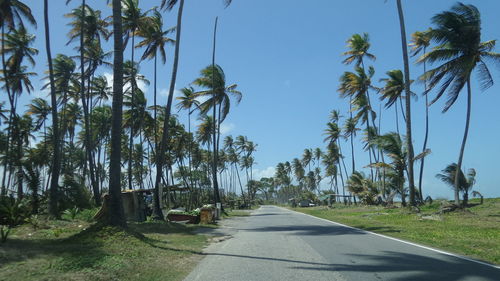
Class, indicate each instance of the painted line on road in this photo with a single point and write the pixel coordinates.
(399, 240)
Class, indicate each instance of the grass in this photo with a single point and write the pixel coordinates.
(474, 232)
(236, 213)
(77, 250)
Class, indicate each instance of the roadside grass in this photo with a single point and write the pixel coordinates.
(474, 232)
(236, 213)
(79, 250)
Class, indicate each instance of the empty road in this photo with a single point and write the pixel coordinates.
(277, 244)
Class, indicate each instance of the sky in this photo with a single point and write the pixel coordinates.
(286, 58)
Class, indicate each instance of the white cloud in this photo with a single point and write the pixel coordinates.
(225, 128)
(142, 85)
(266, 173)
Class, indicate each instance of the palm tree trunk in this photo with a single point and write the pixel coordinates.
(115, 213)
(157, 214)
(56, 161)
(409, 143)
(132, 95)
(5, 166)
(421, 174)
(215, 156)
(464, 140)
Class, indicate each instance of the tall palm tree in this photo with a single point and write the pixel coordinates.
(169, 5)
(213, 78)
(56, 161)
(350, 130)
(409, 139)
(154, 40)
(89, 27)
(116, 214)
(133, 18)
(187, 101)
(458, 33)
(419, 42)
(17, 43)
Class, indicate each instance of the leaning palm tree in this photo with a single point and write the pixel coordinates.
(458, 33)
(419, 43)
(409, 144)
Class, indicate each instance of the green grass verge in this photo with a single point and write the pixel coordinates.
(77, 250)
(474, 232)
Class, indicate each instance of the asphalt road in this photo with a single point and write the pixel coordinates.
(278, 244)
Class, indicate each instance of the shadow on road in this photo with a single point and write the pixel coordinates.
(413, 267)
(316, 230)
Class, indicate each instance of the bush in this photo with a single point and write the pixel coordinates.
(12, 213)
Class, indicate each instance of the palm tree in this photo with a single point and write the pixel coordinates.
(409, 138)
(306, 158)
(115, 215)
(449, 174)
(350, 132)
(186, 101)
(133, 18)
(40, 109)
(154, 39)
(392, 146)
(419, 42)
(214, 79)
(17, 43)
(89, 27)
(169, 5)
(56, 161)
(358, 49)
(392, 92)
(458, 33)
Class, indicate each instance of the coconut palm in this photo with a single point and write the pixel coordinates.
(154, 40)
(392, 92)
(358, 49)
(56, 161)
(40, 109)
(458, 33)
(409, 138)
(187, 101)
(218, 92)
(449, 174)
(420, 40)
(115, 214)
(307, 158)
(133, 18)
(392, 146)
(350, 130)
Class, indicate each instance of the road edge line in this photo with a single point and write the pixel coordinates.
(400, 240)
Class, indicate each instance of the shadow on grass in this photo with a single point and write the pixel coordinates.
(88, 248)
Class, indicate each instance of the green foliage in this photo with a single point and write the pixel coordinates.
(12, 213)
(72, 212)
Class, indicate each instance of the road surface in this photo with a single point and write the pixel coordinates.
(278, 244)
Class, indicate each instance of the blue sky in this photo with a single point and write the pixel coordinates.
(286, 58)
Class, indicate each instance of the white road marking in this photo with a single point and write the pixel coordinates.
(399, 240)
